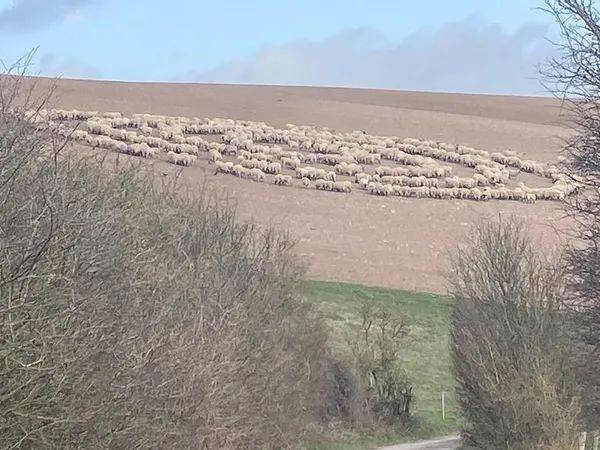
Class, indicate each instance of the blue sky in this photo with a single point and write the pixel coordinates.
(489, 46)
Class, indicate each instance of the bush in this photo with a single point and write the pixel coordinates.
(511, 357)
(376, 349)
(135, 314)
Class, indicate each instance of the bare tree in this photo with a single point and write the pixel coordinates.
(509, 349)
(574, 75)
(139, 315)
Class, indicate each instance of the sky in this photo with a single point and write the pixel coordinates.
(477, 46)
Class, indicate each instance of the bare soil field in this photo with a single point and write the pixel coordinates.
(384, 241)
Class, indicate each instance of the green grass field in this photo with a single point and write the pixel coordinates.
(426, 357)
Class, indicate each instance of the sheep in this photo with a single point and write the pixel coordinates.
(95, 127)
(237, 169)
(529, 166)
(257, 175)
(368, 159)
(254, 164)
(548, 193)
(304, 172)
(480, 180)
(475, 194)
(273, 168)
(230, 150)
(324, 185)
(310, 172)
(283, 180)
(342, 186)
(310, 158)
(361, 176)
(530, 197)
(380, 189)
(118, 146)
(111, 115)
(306, 182)
(348, 169)
(215, 156)
(292, 163)
(182, 159)
(223, 167)
(330, 176)
(143, 150)
(188, 148)
(119, 122)
(364, 182)
(419, 192)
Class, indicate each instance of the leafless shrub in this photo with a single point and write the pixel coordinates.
(575, 76)
(511, 357)
(376, 348)
(133, 315)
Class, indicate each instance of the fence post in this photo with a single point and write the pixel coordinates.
(443, 406)
(582, 440)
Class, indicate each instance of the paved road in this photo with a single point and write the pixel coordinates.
(445, 443)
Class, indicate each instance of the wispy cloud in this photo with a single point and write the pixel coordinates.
(460, 57)
(26, 15)
(57, 66)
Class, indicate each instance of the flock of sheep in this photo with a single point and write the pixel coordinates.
(312, 157)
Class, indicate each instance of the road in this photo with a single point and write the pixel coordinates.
(445, 443)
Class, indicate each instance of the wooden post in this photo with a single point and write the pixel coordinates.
(582, 440)
(596, 440)
(443, 406)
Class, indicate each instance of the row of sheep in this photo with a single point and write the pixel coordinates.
(327, 183)
(558, 192)
(184, 154)
(416, 188)
(134, 149)
(452, 193)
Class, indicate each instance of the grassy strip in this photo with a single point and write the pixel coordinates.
(426, 356)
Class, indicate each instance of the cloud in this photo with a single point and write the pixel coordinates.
(53, 66)
(460, 57)
(25, 15)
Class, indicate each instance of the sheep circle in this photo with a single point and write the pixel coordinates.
(315, 157)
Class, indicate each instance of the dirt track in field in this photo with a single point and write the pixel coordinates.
(395, 242)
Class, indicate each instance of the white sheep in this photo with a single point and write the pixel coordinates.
(283, 180)
(350, 169)
(273, 168)
(292, 163)
(215, 156)
(143, 150)
(223, 167)
(182, 159)
(330, 176)
(257, 175)
(324, 185)
(342, 186)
